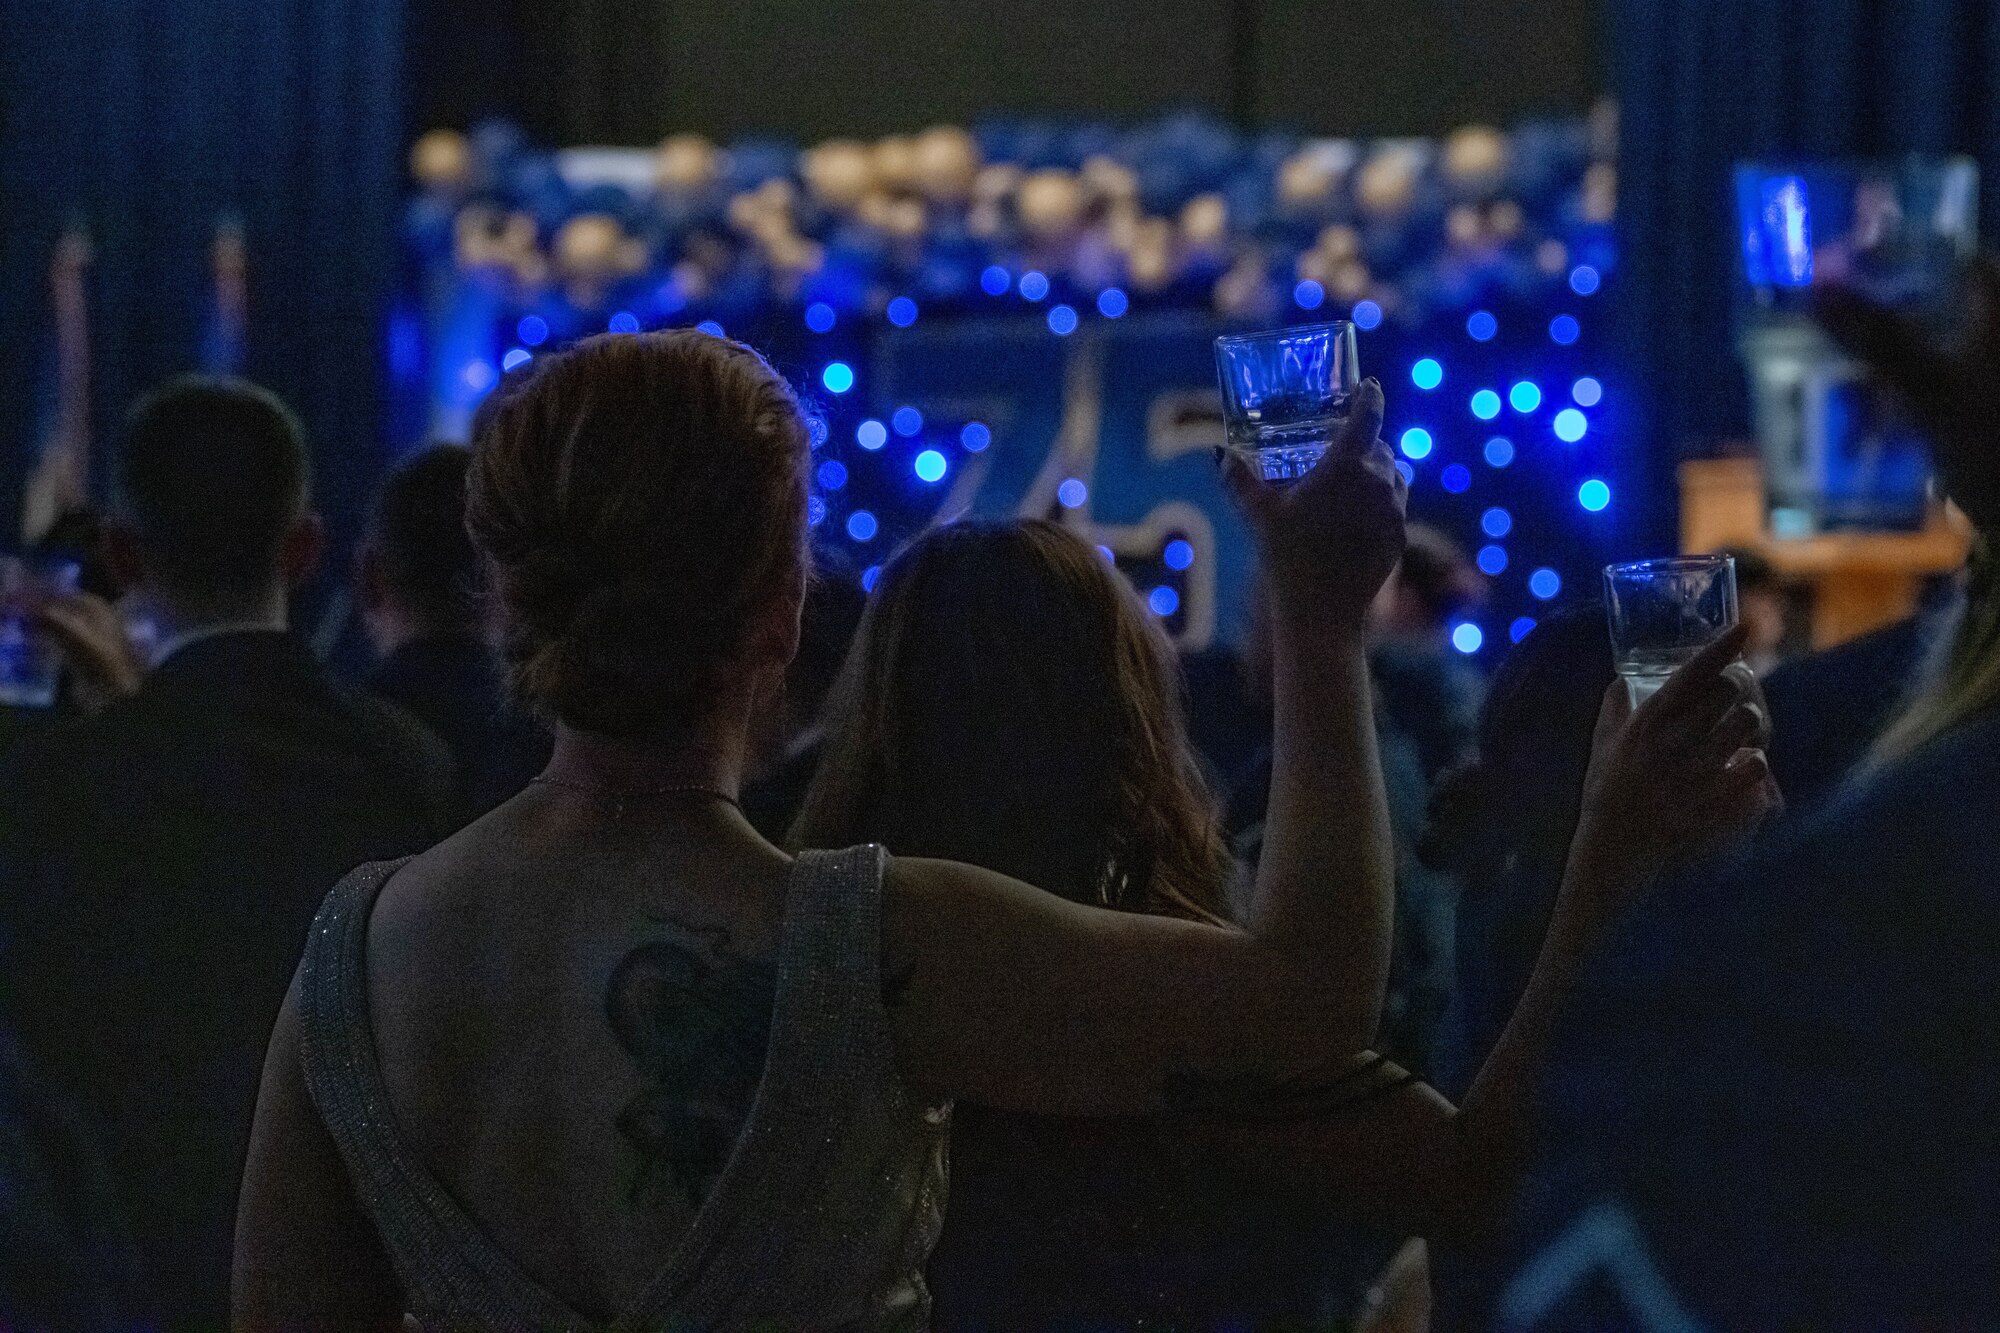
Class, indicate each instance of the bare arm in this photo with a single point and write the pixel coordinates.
(306, 1255)
(1017, 998)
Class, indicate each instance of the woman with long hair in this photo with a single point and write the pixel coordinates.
(607, 1058)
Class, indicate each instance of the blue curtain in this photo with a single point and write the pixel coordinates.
(1703, 83)
(150, 120)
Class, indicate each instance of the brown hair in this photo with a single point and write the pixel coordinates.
(1008, 703)
(1967, 685)
(639, 500)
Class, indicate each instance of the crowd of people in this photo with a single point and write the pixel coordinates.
(664, 935)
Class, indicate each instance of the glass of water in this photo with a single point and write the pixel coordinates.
(1285, 393)
(1663, 612)
(30, 661)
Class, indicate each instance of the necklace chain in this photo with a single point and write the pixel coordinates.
(619, 798)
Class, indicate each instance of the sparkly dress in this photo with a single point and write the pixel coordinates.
(823, 1216)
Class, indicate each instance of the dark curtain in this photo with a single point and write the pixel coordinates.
(1704, 83)
(150, 120)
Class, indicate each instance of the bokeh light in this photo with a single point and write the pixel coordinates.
(1482, 326)
(975, 437)
(1034, 284)
(1427, 374)
(871, 434)
(1308, 295)
(533, 329)
(1164, 601)
(1486, 404)
(1525, 396)
(832, 475)
(1467, 637)
(1456, 479)
(902, 312)
(1111, 303)
(838, 377)
(1416, 442)
(1367, 315)
(1587, 392)
(1496, 522)
(1492, 559)
(995, 280)
(1072, 494)
(1062, 320)
(861, 525)
(1499, 451)
(1584, 280)
(1179, 554)
(930, 466)
(1521, 627)
(1545, 583)
(907, 421)
(820, 317)
(624, 322)
(516, 358)
(1564, 330)
(1594, 495)
(1571, 425)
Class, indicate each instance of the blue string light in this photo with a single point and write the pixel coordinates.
(1492, 559)
(1416, 442)
(1486, 404)
(1111, 303)
(1309, 295)
(1034, 284)
(871, 434)
(1593, 495)
(838, 377)
(815, 512)
(1164, 601)
(1406, 472)
(1427, 374)
(1520, 628)
(820, 317)
(1456, 479)
(861, 525)
(1545, 583)
(902, 312)
(1525, 396)
(1583, 279)
(1367, 315)
(711, 328)
(975, 437)
(907, 421)
(479, 375)
(624, 322)
(1109, 558)
(1072, 494)
(534, 330)
(930, 466)
(869, 576)
(995, 280)
(1587, 392)
(1571, 425)
(1499, 451)
(1468, 638)
(832, 475)
(1482, 326)
(1496, 522)
(1062, 320)
(516, 357)
(1564, 330)
(1178, 555)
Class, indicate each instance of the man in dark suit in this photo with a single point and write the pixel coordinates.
(161, 860)
(418, 583)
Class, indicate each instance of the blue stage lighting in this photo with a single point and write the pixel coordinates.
(1482, 325)
(820, 317)
(902, 312)
(838, 377)
(1072, 494)
(1178, 555)
(1427, 374)
(975, 437)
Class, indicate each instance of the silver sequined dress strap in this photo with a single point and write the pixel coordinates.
(829, 1204)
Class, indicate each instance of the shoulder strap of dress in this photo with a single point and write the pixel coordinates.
(445, 1262)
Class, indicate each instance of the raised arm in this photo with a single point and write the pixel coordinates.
(1017, 998)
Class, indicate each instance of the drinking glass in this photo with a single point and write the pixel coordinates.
(1663, 612)
(30, 662)
(1285, 393)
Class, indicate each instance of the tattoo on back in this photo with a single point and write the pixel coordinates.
(696, 1019)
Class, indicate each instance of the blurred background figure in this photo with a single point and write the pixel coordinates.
(163, 857)
(422, 599)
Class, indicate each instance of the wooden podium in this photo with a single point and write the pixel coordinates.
(1860, 581)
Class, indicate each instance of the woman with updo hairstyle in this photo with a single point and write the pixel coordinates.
(607, 1058)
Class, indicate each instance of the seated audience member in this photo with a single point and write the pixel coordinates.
(645, 1065)
(419, 588)
(1009, 703)
(786, 745)
(162, 859)
(1774, 1104)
